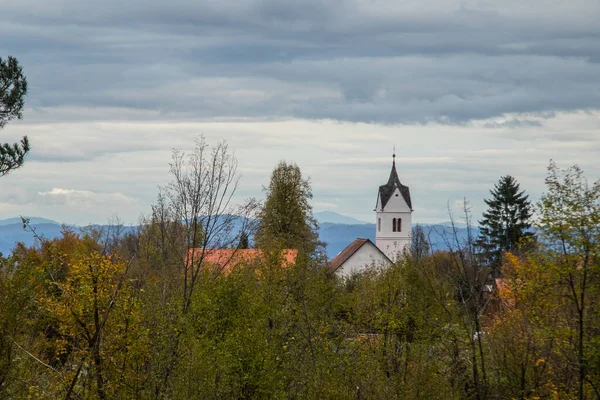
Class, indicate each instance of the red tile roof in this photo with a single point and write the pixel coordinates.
(227, 259)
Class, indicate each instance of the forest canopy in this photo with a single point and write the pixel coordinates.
(107, 315)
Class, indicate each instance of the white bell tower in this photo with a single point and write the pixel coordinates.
(393, 222)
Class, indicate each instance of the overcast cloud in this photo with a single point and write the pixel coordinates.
(467, 90)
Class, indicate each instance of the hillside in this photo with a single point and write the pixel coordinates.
(337, 235)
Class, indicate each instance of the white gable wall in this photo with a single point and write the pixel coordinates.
(365, 257)
(396, 203)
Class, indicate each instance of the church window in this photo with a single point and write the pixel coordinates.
(399, 225)
(379, 224)
(394, 225)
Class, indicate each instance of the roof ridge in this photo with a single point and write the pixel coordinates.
(345, 254)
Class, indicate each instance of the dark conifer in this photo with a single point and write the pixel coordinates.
(13, 88)
(244, 241)
(506, 223)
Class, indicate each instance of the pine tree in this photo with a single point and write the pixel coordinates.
(13, 88)
(506, 222)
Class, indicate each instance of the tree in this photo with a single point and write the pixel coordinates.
(13, 88)
(200, 201)
(286, 220)
(420, 244)
(244, 241)
(194, 215)
(99, 332)
(570, 224)
(524, 330)
(17, 291)
(506, 222)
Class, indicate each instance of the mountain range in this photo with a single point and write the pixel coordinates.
(336, 230)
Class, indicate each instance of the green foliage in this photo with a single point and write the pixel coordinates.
(570, 211)
(13, 88)
(570, 221)
(17, 293)
(12, 156)
(79, 322)
(506, 222)
(286, 220)
(244, 241)
(396, 327)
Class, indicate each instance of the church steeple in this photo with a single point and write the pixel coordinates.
(394, 215)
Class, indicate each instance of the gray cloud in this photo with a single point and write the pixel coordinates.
(468, 90)
(346, 162)
(370, 61)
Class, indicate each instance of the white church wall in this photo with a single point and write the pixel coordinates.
(387, 225)
(393, 248)
(363, 258)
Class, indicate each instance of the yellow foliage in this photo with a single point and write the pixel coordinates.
(97, 318)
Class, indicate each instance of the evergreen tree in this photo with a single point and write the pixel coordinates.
(13, 88)
(286, 220)
(507, 220)
(244, 241)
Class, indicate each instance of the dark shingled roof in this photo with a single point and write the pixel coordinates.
(386, 191)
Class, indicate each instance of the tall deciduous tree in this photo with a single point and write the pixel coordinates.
(194, 215)
(286, 220)
(13, 88)
(199, 200)
(570, 223)
(507, 220)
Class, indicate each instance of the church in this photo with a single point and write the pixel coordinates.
(393, 225)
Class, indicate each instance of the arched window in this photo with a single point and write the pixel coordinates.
(394, 225)
(379, 224)
(399, 225)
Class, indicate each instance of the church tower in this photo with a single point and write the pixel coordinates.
(394, 216)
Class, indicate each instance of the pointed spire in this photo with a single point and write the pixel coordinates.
(386, 191)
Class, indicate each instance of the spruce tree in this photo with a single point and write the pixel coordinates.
(507, 220)
(13, 88)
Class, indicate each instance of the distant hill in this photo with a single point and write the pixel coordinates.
(335, 218)
(440, 236)
(12, 232)
(32, 220)
(337, 235)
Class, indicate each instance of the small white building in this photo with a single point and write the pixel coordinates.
(357, 257)
(393, 234)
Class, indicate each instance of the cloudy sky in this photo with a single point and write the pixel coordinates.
(467, 91)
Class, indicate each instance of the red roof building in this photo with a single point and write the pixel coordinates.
(225, 260)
